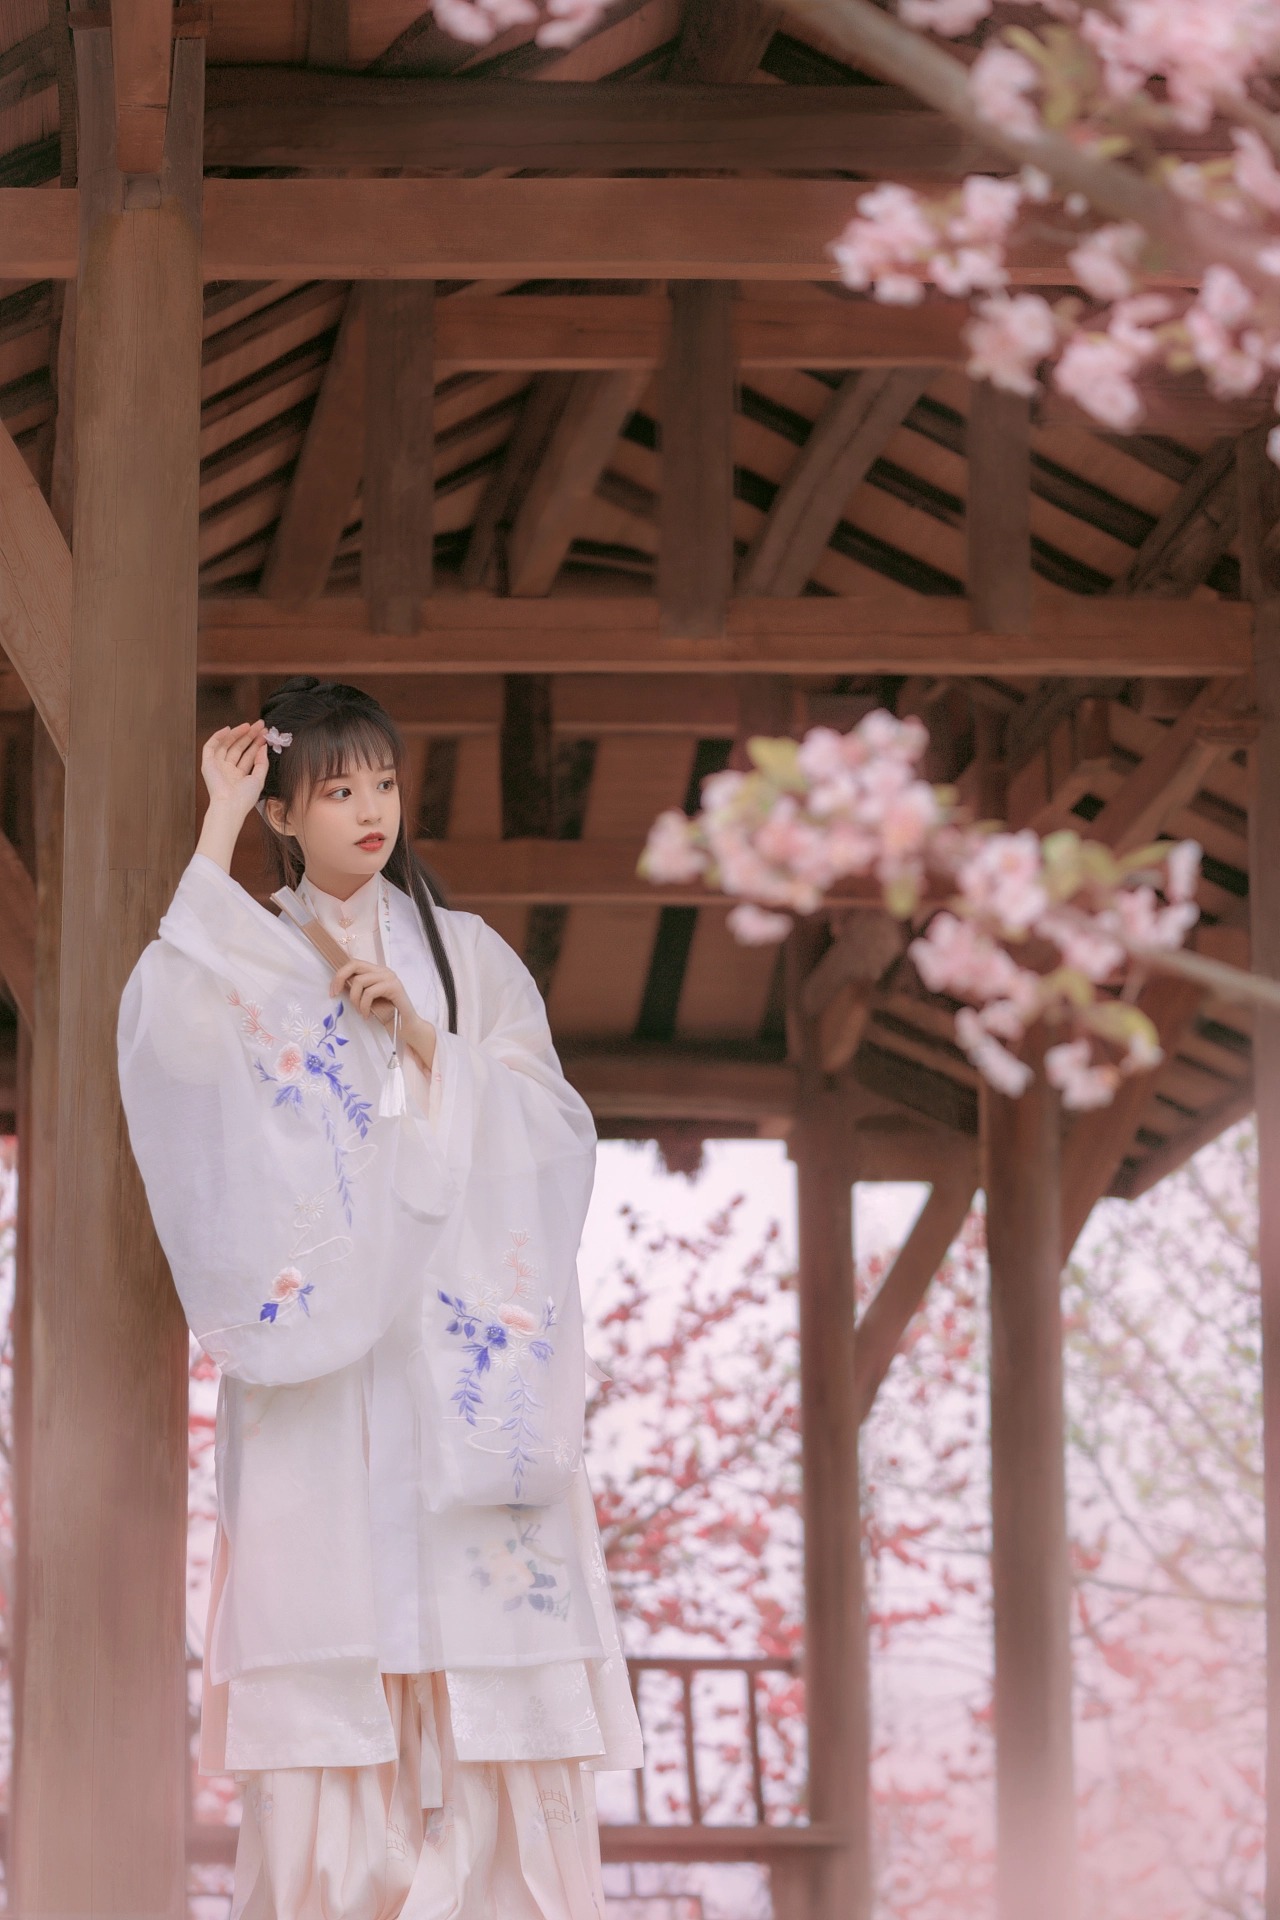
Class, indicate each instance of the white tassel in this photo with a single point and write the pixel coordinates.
(393, 1100)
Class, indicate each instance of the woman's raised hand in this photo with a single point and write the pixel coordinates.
(234, 765)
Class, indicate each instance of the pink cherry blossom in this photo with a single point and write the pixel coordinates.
(1097, 373)
(1008, 338)
(995, 1063)
(1000, 83)
(1083, 1082)
(756, 926)
(1204, 50)
(1182, 869)
(669, 853)
(1104, 261)
(950, 17)
(1003, 879)
(1255, 171)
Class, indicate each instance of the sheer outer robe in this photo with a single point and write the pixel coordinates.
(319, 1249)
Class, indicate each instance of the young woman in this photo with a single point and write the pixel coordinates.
(370, 1184)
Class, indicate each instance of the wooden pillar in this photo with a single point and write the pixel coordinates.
(99, 1811)
(1030, 1569)
(399, 452)
(1260, 568)
(837, 1885)
(37, 1175)
(695, 555)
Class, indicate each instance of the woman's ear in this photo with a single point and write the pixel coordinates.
(277, 814)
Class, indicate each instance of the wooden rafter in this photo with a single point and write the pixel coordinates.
(1194, 530)
(507, 485)
(998, 510)
(17, 929)
(576, 452)
(897, 1300)
(323, 489)
(849, 436)
(35, 592)
(722, 41)
(1171, 773)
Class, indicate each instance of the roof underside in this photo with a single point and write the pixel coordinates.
(630, 980)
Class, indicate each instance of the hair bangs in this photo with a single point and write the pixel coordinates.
(338, 743)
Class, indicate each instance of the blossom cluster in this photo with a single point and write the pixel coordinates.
(1019, 929)
(558, 23)
(1112, 81)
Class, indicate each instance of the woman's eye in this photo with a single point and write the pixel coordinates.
(389, 784)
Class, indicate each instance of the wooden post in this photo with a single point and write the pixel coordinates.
(837, 1886)
(1260, 566)
(1030, 1569)
(98, 1821)
(399, 452)
(998, 513)
(695, 555)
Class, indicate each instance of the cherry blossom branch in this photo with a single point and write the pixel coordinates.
(1058, 929)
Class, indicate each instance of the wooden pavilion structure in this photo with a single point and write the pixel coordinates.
(517, 386)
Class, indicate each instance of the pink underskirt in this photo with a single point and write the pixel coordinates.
(423, 1837)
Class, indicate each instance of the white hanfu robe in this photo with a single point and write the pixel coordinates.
(393, 1302)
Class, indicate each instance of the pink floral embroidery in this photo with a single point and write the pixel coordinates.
(289, 1289)
(289, 1062)
(252, 1025)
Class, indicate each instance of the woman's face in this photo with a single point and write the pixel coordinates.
(346, 828)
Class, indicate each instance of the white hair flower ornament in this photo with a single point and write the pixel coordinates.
(277, 741)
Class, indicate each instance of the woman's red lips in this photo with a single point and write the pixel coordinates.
(372, 840)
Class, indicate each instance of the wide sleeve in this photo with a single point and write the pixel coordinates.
(290, 1213)
(501, 1368)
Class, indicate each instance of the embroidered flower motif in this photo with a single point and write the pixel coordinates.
(252, 1025)
(289, 1289)
(517, 1570)
(500, 1335)
(308, 1069)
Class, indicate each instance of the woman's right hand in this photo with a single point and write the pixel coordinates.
(234, 765)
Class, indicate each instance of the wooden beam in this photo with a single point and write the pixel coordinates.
(1030, 1559)
(17, 930)
(105, 1631)
(595, 332)
(510, 480)
(323, 489)
(850, 435)
(998, 509)
(695, 553)
(678, 1083)
(837, 994)
(141, 47)
(898, 1298)
(769, 229)
(696, 119)
(564, 482)
(35, 592)
(565, 872)
(399, 453)
(472, 633)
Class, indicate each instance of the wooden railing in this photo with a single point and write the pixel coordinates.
(765, 1839)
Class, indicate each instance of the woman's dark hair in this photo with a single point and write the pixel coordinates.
(335, 728)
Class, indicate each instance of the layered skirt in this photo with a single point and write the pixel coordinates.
(425, 1836)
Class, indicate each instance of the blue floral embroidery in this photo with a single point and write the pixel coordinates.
(498, 1333)
(308, 1064)
(518, 1572)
